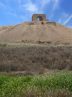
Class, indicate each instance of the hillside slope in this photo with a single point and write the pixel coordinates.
(36, 32)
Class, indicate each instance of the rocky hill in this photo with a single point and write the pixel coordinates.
(30, 48)
(30, 32)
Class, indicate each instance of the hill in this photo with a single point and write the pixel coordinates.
(35, 47)
(30, 32)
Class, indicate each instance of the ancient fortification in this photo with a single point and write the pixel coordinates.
(40, 19)
(40, 29)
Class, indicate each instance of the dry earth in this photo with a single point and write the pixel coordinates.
(35, 59)
(50, 48)
(28, 32)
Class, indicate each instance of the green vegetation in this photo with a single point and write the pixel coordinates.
(3, 45)
(53, 85)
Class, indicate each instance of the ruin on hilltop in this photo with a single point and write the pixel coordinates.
(40, 19)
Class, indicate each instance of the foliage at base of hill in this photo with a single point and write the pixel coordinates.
(53, 85)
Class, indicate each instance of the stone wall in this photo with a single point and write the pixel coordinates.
(39, 17)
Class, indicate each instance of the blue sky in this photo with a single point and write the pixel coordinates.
(17, 11)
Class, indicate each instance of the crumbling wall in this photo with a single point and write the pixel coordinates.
(39, 17)
(52, 23)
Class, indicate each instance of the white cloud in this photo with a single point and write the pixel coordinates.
(68, 20)
(38, 6)
(30, 7)
(5, 7)
(20, 17)
(44, 2)
(65, 19)
(2, 5)
(12, 14)
(55, 4)
(7, 10)
(63, 16)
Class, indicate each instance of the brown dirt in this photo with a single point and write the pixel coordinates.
(34, 59)
(36, 32)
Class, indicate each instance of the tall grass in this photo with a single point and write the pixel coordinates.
(53, 85)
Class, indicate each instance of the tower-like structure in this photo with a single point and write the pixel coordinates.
(39, 17)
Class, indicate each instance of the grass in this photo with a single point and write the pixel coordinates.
(53, 85)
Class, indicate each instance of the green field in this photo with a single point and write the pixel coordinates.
(48, 85)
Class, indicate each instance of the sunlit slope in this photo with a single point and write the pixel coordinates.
(36, 32)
